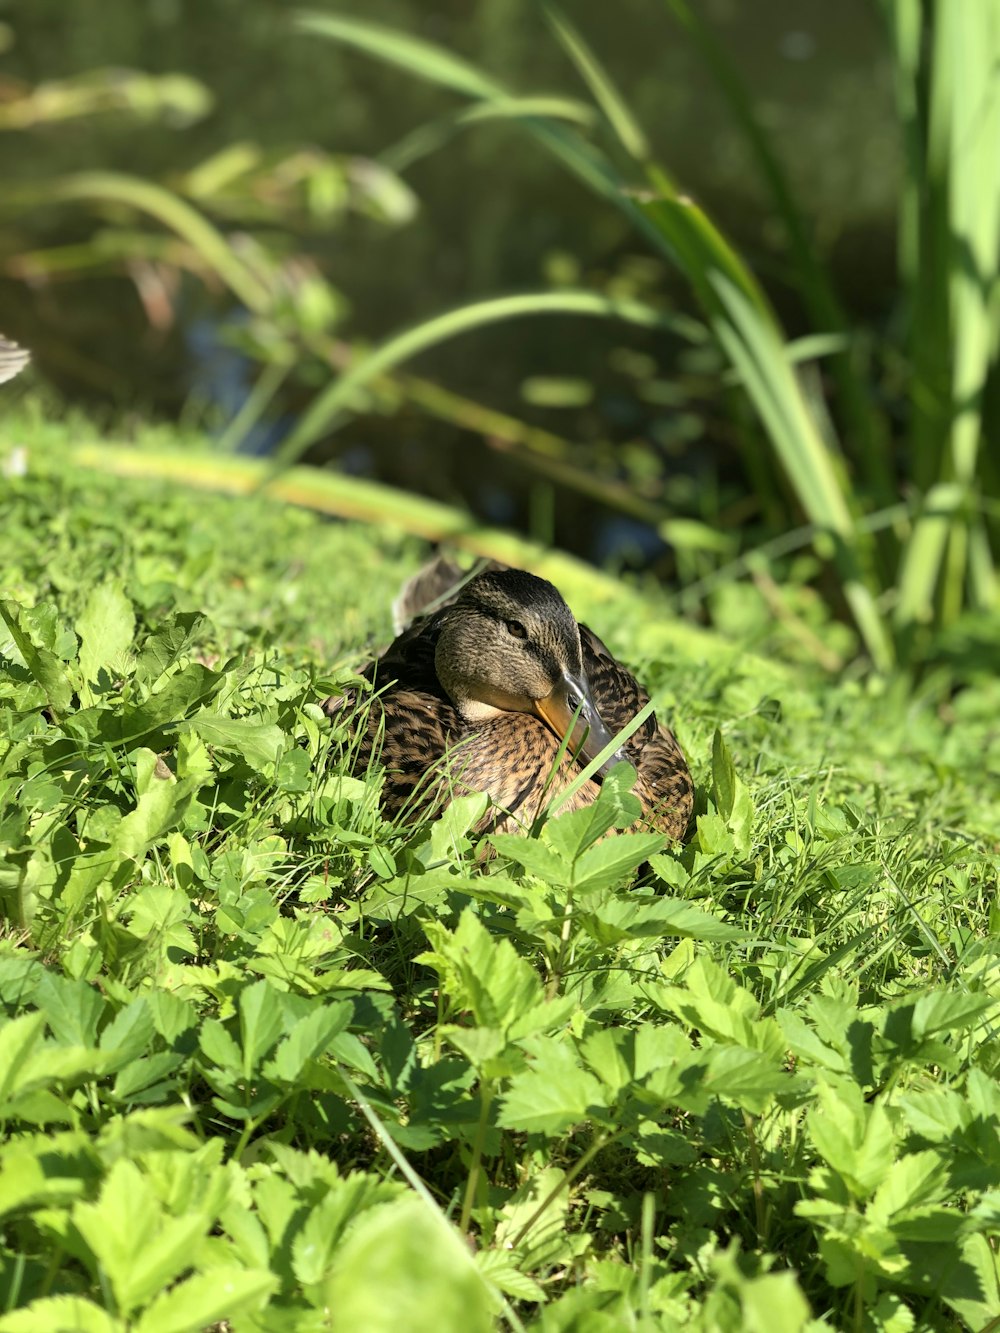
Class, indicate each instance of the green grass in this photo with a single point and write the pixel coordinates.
(269, 1060)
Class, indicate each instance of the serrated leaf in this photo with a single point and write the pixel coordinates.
(207, 1298)
(537, 858)
(554, 1094)
(609, 864)
(855, 1139)
(43, 665)
(73, 1009)
(948, 1011)
(484, 975)
(128, 1034)
(632, 918)
(259, 743)
(140, 1248)
(308, 1039)
(219, 1046)
(106, 627)
(261, 1023)
(61, 1314)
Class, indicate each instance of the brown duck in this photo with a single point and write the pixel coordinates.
(479, 691)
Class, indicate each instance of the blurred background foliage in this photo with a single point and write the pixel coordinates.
(212, 211)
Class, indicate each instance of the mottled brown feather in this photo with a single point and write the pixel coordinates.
(429, 752)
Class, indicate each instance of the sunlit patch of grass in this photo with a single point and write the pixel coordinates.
(240, 1001)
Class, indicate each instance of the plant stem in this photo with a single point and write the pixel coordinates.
(486, 1100)
(567, 1180)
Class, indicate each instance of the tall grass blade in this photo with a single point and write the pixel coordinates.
(425, 59)
(606, 95)
(864, 426)
(948, 556)
(435, 134)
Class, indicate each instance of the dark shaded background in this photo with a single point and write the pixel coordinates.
(495, 215)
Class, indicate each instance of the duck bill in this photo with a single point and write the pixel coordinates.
(570, 710)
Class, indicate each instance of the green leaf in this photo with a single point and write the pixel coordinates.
(625, 918)
(948, 1011)
(552, 1095)
(483, 975)
(140, 1248)
(723, 777)
(207, 1298)
(43, 665)
(259, 743)
(425, 59)
(537, 858)
(106, 627)
(61, 1314)
(608, 865)
(157, 809)
(219, 1046)
(400, 1267)
(73, 1009)
(129, 1033)
(855, 1139)
(261, 1023)
(308, 1039)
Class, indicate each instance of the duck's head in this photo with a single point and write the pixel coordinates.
(510, 644)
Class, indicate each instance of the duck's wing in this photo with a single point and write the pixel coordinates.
(665, 787)
(13, 359)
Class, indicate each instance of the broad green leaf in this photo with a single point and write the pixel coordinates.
(308, 1039)
(481, 974)
(554, 1094)
(207, 1298)
(156, 809)
(948, 1011)
(401, 1267)
(61, 1314)
(537, 858)
(625, 917)
(317, 1242)
(219, 1046)
(140, 1248)
(609, 864)
(73, 1009)
(261, 1023)
(259, 743)
(32, 1173)
(854, 1138)
(106, 627)
(129, 1033)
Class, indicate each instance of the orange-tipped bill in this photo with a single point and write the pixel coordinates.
(570, 708)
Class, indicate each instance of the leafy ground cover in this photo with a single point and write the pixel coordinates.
(270, 1061)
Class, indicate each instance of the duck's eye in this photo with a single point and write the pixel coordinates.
(573, 702)
(516, 629)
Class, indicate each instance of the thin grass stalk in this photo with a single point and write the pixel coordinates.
(865, 426)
